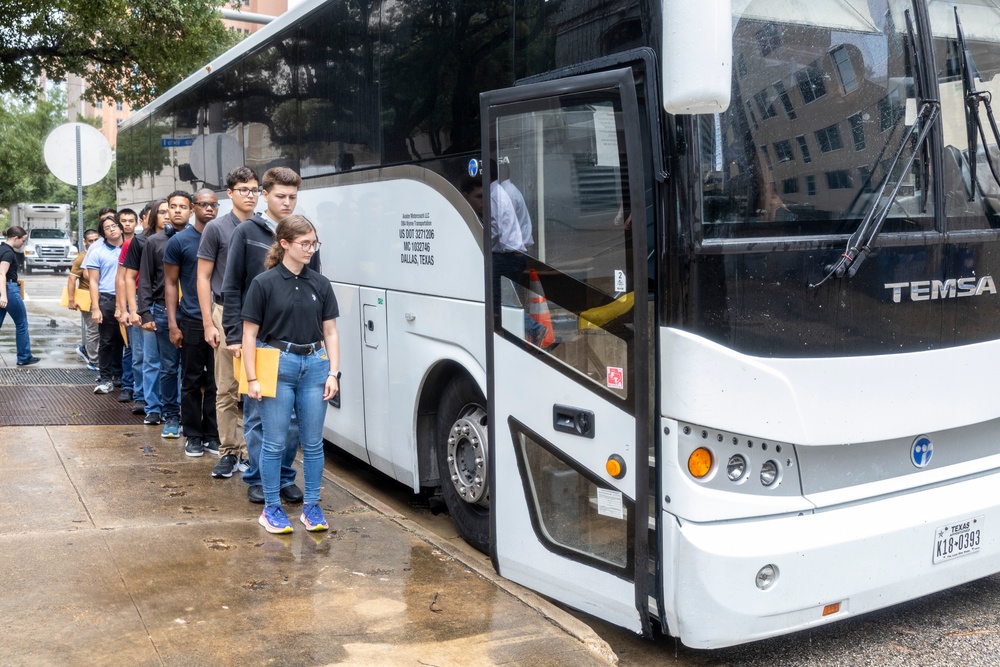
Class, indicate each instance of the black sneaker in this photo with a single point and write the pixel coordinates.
(125, 396)
(116, 381)
(153, 419)
(139, 407)
(211, 446)
(255, 494)
(194, 447)
(225, 468)
(31, 361)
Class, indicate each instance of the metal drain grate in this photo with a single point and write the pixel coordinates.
(34, 376)
(62, 405)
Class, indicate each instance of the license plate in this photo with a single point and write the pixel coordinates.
(958, 539)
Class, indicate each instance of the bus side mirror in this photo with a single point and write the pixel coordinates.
(697, 56)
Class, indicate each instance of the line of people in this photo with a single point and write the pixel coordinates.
(189, 297)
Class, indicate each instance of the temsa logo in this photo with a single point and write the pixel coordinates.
(929, 290)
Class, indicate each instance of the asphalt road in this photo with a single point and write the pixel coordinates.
(960, 627)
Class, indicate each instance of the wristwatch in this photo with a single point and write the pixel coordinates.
(335, 375)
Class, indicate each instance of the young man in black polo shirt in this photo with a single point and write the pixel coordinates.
(247, 249)
(180, 268)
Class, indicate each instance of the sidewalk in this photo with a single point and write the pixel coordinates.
(120, 550)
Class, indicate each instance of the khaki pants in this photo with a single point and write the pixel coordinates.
(227, 401)
(93, 336)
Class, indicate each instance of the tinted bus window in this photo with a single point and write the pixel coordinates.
(551, 35)
(434, 64)
(271, 122)
(337, 89)
(219, 148)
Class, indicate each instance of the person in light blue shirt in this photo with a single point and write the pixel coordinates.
(101, 265)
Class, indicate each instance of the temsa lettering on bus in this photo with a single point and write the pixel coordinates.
(416, 230)
(930, 290)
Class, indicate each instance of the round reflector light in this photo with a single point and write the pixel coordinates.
(700, 462)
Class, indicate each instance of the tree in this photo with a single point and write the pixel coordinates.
(24, 177)
(127, 51)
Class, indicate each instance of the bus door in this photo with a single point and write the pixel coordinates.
(566, 344)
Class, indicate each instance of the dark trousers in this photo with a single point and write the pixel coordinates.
(109, 351)
(197, 382)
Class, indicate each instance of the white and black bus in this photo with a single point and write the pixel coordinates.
(762, 242)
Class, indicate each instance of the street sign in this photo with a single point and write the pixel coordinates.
(94, 153)
(171, 142)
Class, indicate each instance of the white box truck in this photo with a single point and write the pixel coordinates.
(50, 235)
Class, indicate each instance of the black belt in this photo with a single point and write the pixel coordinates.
(294, 348)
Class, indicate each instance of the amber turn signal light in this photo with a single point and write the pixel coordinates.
(615, 466)
(700, 462)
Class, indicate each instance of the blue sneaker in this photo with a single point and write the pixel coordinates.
(312, 517)
(172, 428)
(274, 520)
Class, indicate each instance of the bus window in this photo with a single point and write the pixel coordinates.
(566, 165)
(819, 109)
(565, 511)
(981, 25)
(270, 109)
(337, 89)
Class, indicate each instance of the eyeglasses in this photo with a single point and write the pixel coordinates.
(309, 246)
(246, 192)
(207, 204)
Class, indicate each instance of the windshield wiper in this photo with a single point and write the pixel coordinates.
(859, 246)
(973, 123)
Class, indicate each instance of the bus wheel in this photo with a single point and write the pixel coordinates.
(462, 445)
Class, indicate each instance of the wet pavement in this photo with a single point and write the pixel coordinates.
(120, 550)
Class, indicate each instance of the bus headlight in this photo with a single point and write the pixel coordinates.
(769, 473)
(736, 469)
(700, 463)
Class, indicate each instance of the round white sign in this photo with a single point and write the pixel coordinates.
(96, 155)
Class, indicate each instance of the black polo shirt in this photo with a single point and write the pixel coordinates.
(289, 307)
(7, 254)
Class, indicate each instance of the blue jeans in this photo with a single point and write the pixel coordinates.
(18, 313)
(136, 350)
(150, 371)
(128, 376)
(170, 365)
(253, 434)
(301, 380)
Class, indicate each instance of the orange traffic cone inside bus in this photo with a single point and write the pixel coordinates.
(538, 309)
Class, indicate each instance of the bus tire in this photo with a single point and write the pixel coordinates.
(462, 446)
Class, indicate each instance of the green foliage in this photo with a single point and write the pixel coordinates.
(127, 51)
(24, 177)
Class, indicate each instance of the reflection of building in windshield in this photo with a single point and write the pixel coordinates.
(819, 99)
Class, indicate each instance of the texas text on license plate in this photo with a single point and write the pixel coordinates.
(958, 539)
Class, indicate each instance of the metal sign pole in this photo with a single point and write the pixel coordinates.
(79, 222)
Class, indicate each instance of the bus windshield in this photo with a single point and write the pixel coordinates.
(823, 95)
